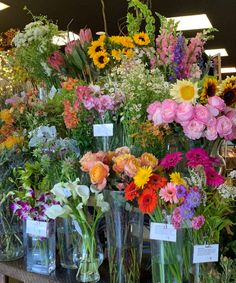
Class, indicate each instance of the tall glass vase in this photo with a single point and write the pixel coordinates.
(39, 241)
(124, 226)
(11, 235)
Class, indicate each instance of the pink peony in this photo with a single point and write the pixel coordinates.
(201, 113)
(231, 114)
(223, 126)
(157, 118)
(168, 193)
(152, 109)
(217, 102)
(194, 129)
(171, 160)
(198, 221)
(184, 112)
(211, 132)
(231, 136)
(168, 110)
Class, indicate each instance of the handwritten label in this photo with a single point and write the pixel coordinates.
(162, 232)
(103, 130)
(36, 228)
(205, 253)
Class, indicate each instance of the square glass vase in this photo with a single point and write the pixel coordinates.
(40, 246)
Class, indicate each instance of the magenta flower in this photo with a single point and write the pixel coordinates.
(213, 178)
(198, 156)
(176, 219)
(198, 221)
(56, 60)
(171, 160)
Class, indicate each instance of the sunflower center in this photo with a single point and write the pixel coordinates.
(211, 90)
(187, 92)
(142, 38)
(101, 59)
(229, 97)
(98, 48)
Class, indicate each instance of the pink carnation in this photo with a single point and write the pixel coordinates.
(184, 112)
(194, 129)
(223, 126)
(168, 110)
(198, 221)
(171, 160)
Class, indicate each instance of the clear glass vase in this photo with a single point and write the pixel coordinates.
(69, 240)
(124, 227)
(39, 241)
(90, 258)
(11, 235)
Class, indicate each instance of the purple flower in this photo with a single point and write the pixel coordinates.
(178, 58)
(186, 211)
(181, 191)
(198, 221)
(193, 199)
(171, 160)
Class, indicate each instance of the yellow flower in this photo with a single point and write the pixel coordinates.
(6, 116)
(176, 178)
(100, 59)
(116, 54)
(209, 89)
(142, 177)
(228, 90)
(11, 141)
(141, 38)
(129, 53)
(96, 46)
(184, 91)
(125, 41)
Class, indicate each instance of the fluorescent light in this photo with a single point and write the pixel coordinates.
(213, 52)
(228, 70)
(192, 22)
(3, 6)
(64, 38)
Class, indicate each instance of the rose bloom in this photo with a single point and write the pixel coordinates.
(184, 112)
(148, 159)
(119, 162)
(131, 166)
(122, 150)
(217, 102)
(152, 109)
(223, 126)
(232, 116)
(194, 129)
(168, 110)
(201, 113)
(87, 161)
(231, 136)
(98, 174)
(102, 156)
(156, 116)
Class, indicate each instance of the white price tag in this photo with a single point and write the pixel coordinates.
(36, 228)
(162, 232)
(205, 253)
(103, 130)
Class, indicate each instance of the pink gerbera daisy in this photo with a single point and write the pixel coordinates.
(168, 193)
(171, 160)
(213, 178)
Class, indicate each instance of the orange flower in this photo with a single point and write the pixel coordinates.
(131, 167)
(130, 191)
(148, 159)
(70, 116)
(122, 150)
(6, 116)
(11, 141)
(98, 174)
(119, 162)
(157, 182)
(69, 84)
(6, 130)
(148, 201)
(88, 161)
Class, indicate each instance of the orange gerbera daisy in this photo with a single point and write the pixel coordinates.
(130, 191)
(148, 201)
(157, 182)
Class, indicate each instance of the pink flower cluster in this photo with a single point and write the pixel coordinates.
(91, 98)
(210, 121)
(56, 60)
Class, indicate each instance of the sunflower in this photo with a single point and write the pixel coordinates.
(142, 177)
(125, 41)
(209, 89)
(228, 90)
(100, 59)
(141, 38)
(176, 178)
(148, 201)
(184, 91)
(116, 54)
(96, 46)
(129, 53)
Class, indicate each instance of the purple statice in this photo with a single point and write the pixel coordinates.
(181, 191)
(178, 57)
(193, 198)
(186, 211)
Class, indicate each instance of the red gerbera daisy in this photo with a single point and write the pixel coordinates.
(147, 201)
(130, 191)
(156, 182)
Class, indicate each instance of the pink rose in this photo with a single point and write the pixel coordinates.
(231, 136)
(212, 110)
(194, 129)
(157, 118)
(232, 116)
(201, 113)
(87, 161)
(168, 110)
(211, 132)
(152, 109)
(184, 112)
(223, 126)
(217, 102)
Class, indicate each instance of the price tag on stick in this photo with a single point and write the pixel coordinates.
(103, 130)
(36, 228)
(162, 232)
(205, 253)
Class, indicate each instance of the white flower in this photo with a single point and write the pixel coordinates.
(55, 211)
(101, 203)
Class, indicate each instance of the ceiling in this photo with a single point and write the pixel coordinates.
(222, 14)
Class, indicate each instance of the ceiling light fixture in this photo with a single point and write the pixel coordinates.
(228, 70)
(3, 6)
(192, 22)
(64, 38)
(213, 52)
